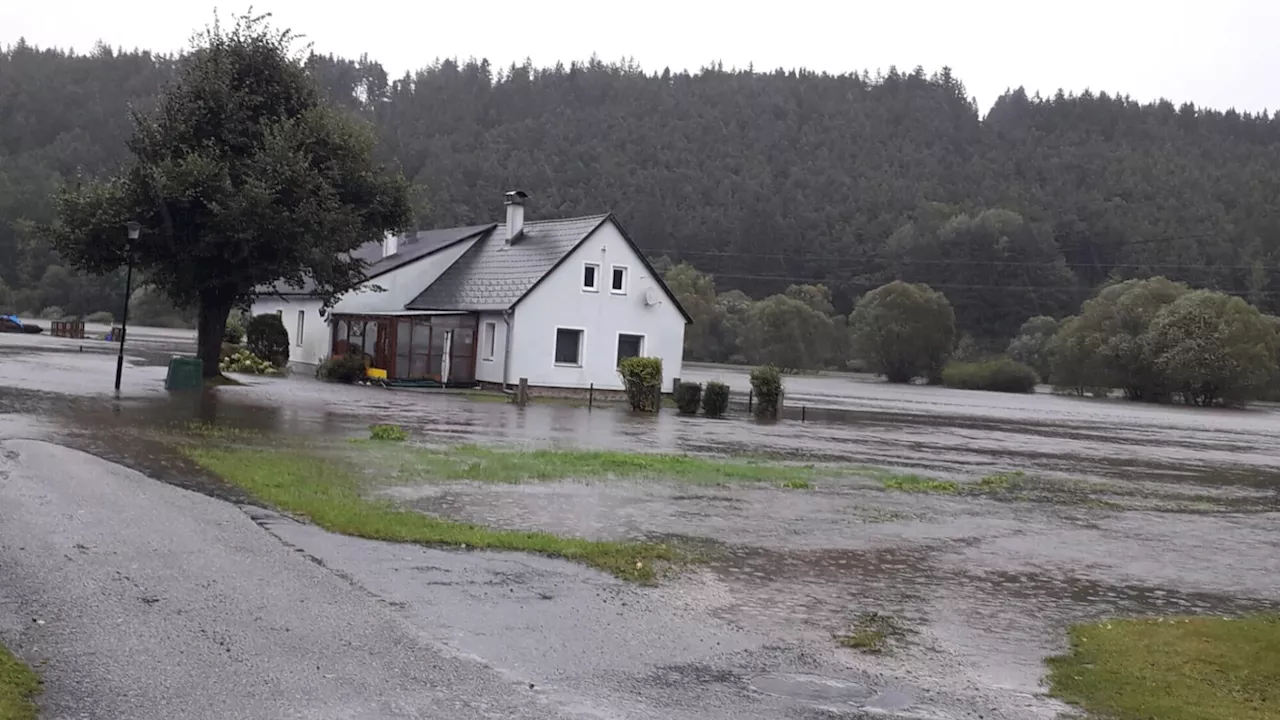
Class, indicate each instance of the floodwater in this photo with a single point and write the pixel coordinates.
(1129, 509)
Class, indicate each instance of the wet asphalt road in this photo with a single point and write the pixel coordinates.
(1185, 518)
(137, 600)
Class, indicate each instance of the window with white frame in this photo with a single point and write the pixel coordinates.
(591, 277)
(302, 315)
(629, 346)
(490, 339)
(618, 281)
(569, 346)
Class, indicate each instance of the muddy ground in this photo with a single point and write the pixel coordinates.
(1125, 509)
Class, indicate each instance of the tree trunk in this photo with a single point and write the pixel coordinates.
(210, 326)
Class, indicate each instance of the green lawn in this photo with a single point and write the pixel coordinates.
(328, 493)
(1173, 669)
(18, 685)
(484, 464)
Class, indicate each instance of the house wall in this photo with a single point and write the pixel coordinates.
(316, 333)
(400, 285)
(560, 302)
(490, 371)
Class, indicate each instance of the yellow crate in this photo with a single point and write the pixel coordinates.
(375, 373)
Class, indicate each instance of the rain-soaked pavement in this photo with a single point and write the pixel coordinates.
(1129, 509)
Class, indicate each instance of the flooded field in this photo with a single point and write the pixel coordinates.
(1125, 509)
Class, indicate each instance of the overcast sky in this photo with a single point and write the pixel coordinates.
(1223, 53)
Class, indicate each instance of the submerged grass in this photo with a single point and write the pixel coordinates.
(871, 633)
(920, 484)
(796, 485)
(328, 493)
(484, 464)
(1191, 668)
(18, 688)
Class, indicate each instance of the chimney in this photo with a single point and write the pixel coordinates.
(390, 244)
(515, 214)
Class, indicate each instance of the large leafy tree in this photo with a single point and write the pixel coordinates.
(1212, 348)
(242, 176)
(904, 331)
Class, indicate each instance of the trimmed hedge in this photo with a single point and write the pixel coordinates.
(766, 382)
(688, 397)
(266, 337)
(998, 375)
(642, 378)
(715, 399)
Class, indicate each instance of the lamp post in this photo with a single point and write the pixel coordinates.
(134, 229)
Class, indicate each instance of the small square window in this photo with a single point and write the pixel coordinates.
(618, 283)
(591, 277)
(568, 347)
(629, 346)
(489, 339)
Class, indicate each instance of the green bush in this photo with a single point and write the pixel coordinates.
(715, 399)
(688, 397)
(100, 318)
(1031, 346)
(53, 312)
(342, 368)
(998, 375)
(766, 383)
(904, 331)
(234, 331)
(393, 433)
(243, 361)
(642, 378)
(268, 339)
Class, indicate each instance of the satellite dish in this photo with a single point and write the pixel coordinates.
(650, 297)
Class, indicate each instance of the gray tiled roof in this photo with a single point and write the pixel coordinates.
(411, 247)
(494, 276)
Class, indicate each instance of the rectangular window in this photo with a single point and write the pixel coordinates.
(591, 277)
(568, 347)
(490, 339)
(301, 316)
(618, 284)
(629, 346)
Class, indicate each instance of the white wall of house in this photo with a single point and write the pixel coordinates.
(489, 364)
(400, 285)
(601, 315)
(309, 334)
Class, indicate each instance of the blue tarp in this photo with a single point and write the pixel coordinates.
(14, 318)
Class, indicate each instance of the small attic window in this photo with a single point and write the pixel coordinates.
(591, 277)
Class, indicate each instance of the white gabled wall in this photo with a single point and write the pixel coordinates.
(401, 285)
(490, 369)
(316, 333)
(560, 301)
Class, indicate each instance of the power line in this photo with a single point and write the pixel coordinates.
(954, 286)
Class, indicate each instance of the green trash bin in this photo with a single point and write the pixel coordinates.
(185, 373)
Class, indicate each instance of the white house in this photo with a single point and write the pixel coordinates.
(558, 302)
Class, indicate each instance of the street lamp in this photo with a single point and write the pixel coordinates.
(134, 229)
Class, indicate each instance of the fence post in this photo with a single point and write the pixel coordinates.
(751, 396)
(522, 392)
(803, 411)
(591, 395)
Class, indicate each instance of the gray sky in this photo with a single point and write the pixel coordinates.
(1222, 54)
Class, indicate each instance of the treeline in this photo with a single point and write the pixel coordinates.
(764, 180)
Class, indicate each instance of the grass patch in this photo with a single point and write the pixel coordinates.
(201, 428)
(796, 485)
(392, 433)
(1173, 668)
(328, 493)
(484, 464)
(920, 484)
(871, 633)
(18, 688)
(1000, 481)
